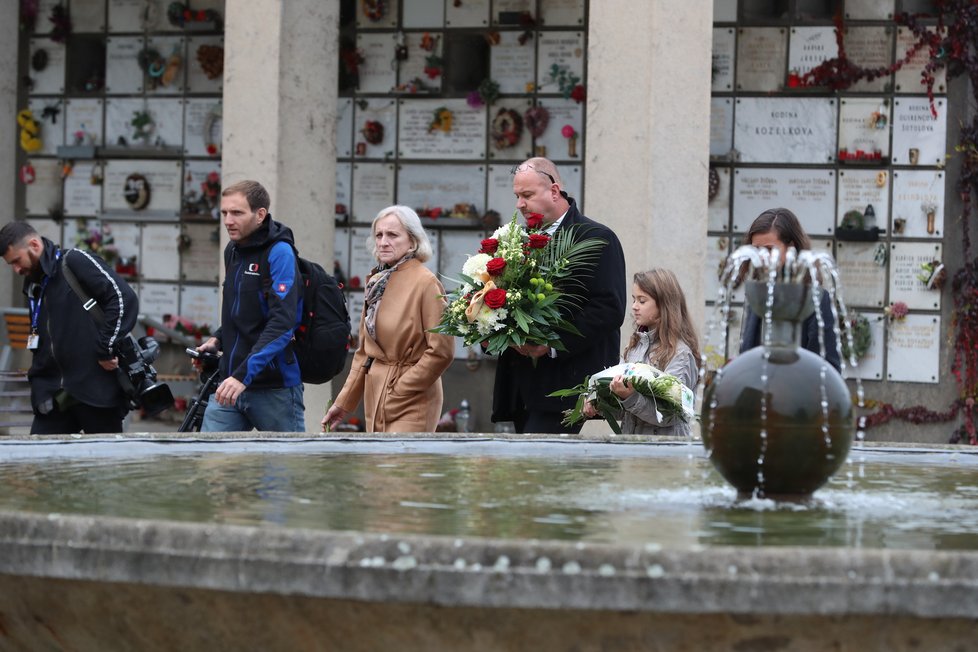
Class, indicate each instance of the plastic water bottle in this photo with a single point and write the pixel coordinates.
(462, 417)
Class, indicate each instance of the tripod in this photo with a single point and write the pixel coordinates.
(209, 377)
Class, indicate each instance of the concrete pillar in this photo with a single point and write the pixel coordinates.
(9, 137)
(280, 81)
(647, 133)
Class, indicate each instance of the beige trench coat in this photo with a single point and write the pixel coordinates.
(401, 388)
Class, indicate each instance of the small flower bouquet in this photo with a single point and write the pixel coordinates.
(672, 398)
(519, 287)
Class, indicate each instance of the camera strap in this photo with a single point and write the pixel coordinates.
(88, 303)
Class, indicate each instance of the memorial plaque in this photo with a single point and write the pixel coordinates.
(513, 64)
(201, 305)
(159, 300)
(203, 127)
(52, 133)
(51, 80)
(424, 14)
(918, 204)
(455, 248)
(81, 196)
(197, 79)
(83, 122)
(558, 51)
(724, 11)
(48, 229)
(173, 49)
(201, 190)
(433, 239)
(562, 12)
(918, 137)
(870, 47)
(563, 113)
(344, 179)
(862, 266)
(864, 128)
(721, 127)
(811, 46)
(376, 73)
(859, 189)
(377, 14)
(200, 256)
(425, 187)
(341, 253)
(500, 196)
(122, 72)
(422, 129)
(717, 250)
(87, 16)
(869, 9)
(724, 46)
(165, 112)
(367, 115)
(161, 257)
(907, 79)
(474, 13)
(570, 175)
(870, 366)
(511, 12)
(373, 190)
(761, 58)
(411, 75)
(913, 350)
(718, 205)
(355, 302)
(906, 285)
(810, 194)
(127, 237)
(344, 127)
(127, 15)
(163, 178)
(785, 130)
(362, 259)
(717, 349)
(43, 197)
(502, 134)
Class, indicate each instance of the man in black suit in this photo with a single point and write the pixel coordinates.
(521, 388)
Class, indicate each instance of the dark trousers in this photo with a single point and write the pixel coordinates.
(78, 418)
(543, 422)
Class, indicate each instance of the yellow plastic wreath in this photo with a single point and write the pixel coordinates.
(30, 131)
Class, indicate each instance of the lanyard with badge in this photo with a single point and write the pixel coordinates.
(35, 303)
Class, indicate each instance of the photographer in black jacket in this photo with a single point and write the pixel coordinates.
(74, 385)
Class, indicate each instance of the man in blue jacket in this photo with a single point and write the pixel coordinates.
(73, 378)
(261, 385)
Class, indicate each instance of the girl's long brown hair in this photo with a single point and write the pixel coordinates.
(675, 326)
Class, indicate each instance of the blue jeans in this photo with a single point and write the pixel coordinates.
(268, 410)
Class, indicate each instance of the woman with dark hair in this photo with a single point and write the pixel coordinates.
(779, 228)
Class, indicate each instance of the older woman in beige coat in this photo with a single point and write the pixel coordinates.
(397, 368)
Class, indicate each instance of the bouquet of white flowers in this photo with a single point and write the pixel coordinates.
(672, 398)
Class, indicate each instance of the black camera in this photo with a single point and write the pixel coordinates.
(138, 377)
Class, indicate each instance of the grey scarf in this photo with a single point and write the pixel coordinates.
(374, 291)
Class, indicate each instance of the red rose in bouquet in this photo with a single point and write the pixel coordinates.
(539, 240)
(496, 266)
(534, 221)
(489, 246)
(495, 298)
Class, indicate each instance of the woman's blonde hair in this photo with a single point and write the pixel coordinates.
(411, 223)
(675, 326)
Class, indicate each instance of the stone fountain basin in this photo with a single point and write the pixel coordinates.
(96, 581)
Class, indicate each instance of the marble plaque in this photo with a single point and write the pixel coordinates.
(509, 12)
(562, 113)
(424, 14)
(355, 303)
(122, 72)
(810, 194)
(377, 14)
(500, 148)
(913, 349)
(513, 64)
(366, 115)
(166, 113)
(161, 257)
(562, 12)
(344, 127)
(201, 305)
(173, 49)
(907, 79)
(563, 51)
(869, 9)
(201, 258)
(199, 197)
(441, 186)
(811, 46)
(434, 239)
(51, 80)
(724, 11)
(203, 127)
(362, 259)
(411, 73)
(81, 196)
(570, 175)
(377, 74)
(717, 250)
(87, 16)
(197, 79)
(48, 229)
(164, 179)
(419, 138)
(905, 261)
(373, 190)
(870, 366)
(127, 238)
(83, 122)
(717, 348)
(918, 137)
(344, 179)
(785, 130)
(128, 15)
(44, 195)
(341, 253)
(870, 47)
(864, 126)
(718, 207)
(52, 128)
(918, 204)
(455, 248)
(500, 196)
(474, 13)
(863, 278)
(724, 46)
(721, 127)
(761, 58)
(159, 300)
(861, 188)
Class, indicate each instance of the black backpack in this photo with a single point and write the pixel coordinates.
(322, 338)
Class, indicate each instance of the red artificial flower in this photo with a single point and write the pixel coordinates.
(578, 94)
(495, 298)
(211, 149)
(534, 221)
(539, 240)
(495, 266)
(489, 246)
(201, 15)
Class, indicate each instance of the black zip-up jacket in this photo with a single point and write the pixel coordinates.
(70, 343)
(260, 309)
